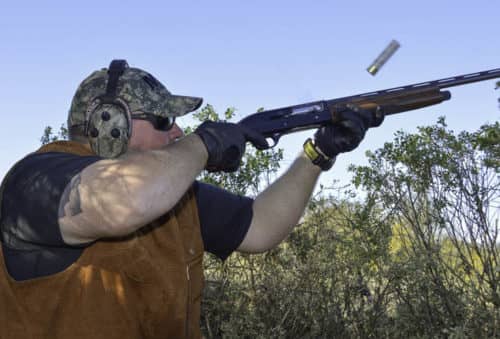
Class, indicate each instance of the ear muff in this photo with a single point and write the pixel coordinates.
(108, 118)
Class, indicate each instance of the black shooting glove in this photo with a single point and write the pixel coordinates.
(225, 143)
(343, 136)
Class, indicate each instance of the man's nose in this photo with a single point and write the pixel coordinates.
(175, 132)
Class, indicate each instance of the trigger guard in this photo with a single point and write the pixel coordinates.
(275, 138)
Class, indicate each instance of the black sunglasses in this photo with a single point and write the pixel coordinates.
(159, 123)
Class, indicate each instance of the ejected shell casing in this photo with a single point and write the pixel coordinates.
(383, 57)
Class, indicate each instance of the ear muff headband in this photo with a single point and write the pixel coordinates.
(115, 70)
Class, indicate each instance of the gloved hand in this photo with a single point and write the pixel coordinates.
(347, 134)
(343, 136)
(225, 143)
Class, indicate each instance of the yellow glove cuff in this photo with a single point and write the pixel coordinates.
(316, 156)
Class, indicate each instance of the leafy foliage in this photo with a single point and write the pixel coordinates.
(49, 135)
(417, 257)
(443, 191)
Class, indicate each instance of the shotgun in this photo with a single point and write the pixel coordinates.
(275, 123)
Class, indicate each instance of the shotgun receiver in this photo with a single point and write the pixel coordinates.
(275, 123)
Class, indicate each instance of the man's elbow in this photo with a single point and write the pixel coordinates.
(259, 239)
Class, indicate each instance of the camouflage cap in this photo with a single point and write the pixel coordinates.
(138, 89)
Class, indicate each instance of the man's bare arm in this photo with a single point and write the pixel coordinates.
(114, 197)
(279, 207)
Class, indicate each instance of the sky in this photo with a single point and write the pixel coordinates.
(247, 54)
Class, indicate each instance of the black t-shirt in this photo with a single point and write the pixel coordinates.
(31, 239)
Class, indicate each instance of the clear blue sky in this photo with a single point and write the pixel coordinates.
(246, 54)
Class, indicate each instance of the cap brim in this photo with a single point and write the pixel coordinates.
(180, 104)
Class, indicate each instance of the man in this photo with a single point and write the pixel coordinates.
(103, 235)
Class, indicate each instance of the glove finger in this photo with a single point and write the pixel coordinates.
(346, 141)
(366, 116)
(351, 132)
(352, 126)
(255, 138)
(325, 138)
(378, 117)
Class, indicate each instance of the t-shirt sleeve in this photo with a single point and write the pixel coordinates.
(224, 218)
(31, 196)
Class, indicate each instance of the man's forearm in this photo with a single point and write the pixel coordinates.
(279, 207)
(116, 196)
(168, 173)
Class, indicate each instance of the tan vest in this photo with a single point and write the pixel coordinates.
(146, 285)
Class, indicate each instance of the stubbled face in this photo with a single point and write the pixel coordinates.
(146, 137)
